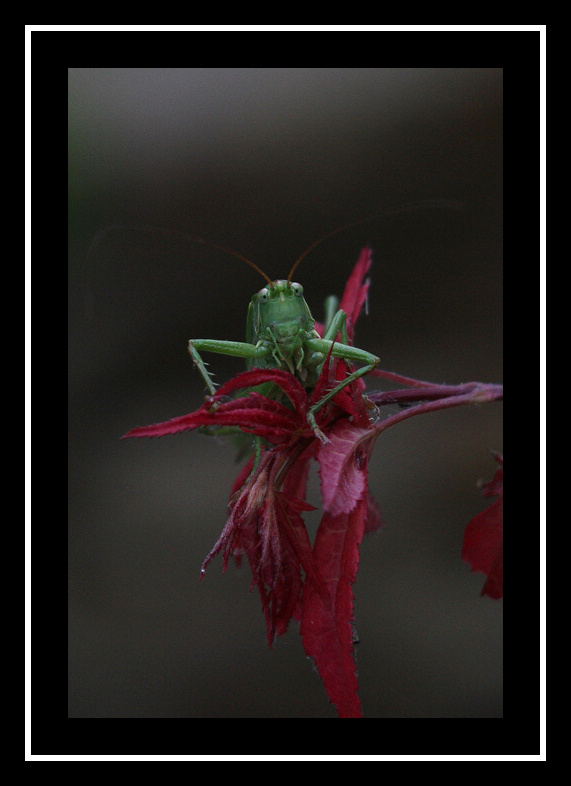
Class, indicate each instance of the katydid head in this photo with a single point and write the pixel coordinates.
(279, 302)
(278, 313)
(279, 290)
(279, 307)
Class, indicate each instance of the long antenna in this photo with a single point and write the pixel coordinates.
(321, 239)
(100, 236)
(429, 203)
(235, 254)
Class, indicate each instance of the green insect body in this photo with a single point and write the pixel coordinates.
(279, 320)
(281, 333)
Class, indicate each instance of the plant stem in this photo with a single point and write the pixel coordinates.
(433, 397)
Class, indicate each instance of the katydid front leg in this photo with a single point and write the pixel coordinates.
(346, 352)
(334, 325)
(331, 311)
(237, 349)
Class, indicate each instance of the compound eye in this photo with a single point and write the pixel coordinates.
(297, 289)
(264, 295)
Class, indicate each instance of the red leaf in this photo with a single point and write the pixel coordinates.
(266, 524)
(326, 622)
(182, 423)
(374, 517)
(277, 546)
(484, 538)
(291, 386)
(252, 412)
(314, 585)
(356, 290)
(344, 462)
(355, 294)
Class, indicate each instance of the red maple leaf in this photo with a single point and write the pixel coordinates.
(265, 522)
(484, 537)
(326, 622)
(294, 579)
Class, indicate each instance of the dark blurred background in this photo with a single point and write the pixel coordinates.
(265, 161)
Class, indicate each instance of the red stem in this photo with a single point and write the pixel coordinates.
(435, 397)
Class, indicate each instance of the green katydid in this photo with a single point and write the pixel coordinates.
(280, 333)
